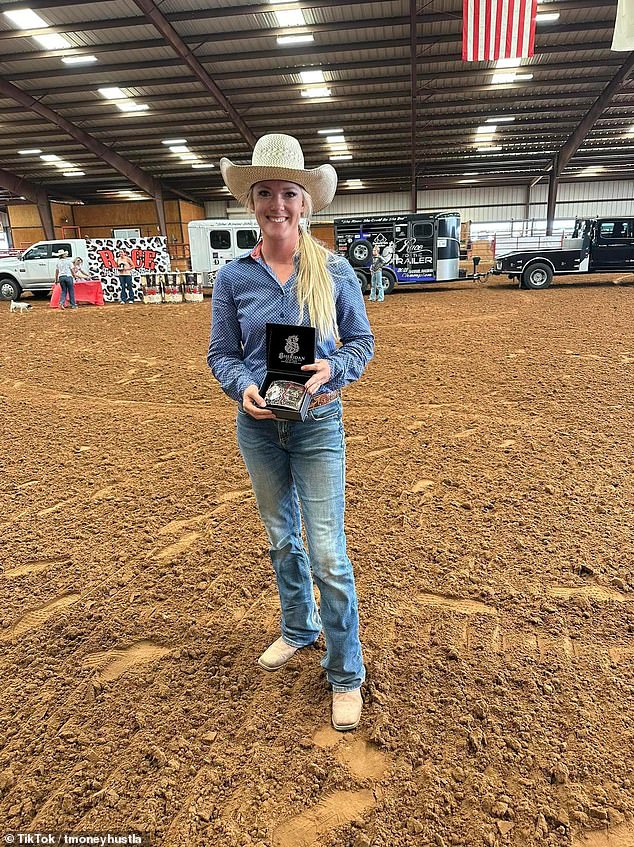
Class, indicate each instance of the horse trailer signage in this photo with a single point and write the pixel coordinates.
(422, 247)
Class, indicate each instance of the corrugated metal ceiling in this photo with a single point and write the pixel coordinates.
(364, 52)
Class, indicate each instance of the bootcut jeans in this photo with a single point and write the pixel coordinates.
(67, 287)
(127, 288)
(302, 463)
(376, 289)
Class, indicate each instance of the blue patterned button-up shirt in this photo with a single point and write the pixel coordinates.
(247, 295)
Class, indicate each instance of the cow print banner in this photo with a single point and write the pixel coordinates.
(149, 255)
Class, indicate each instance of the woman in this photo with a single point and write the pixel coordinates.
(125, 266)
(64, 275)
(376, 289)
(77, 270)
(290, 278)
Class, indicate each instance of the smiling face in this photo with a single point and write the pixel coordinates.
(278, 207)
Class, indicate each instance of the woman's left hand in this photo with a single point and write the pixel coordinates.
(320, 377)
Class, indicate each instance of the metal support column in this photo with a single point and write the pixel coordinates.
(46, 216)
(160, 209)
(553, 184)
(414, 95)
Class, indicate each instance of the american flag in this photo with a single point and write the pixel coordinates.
(498, 29)
(623, 38)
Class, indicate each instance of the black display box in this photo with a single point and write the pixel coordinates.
(288, 347)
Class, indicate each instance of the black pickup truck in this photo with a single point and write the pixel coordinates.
(597, 245)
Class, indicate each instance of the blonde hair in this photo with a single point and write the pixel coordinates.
(314, 285)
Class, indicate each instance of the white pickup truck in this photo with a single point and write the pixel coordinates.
(34, 270)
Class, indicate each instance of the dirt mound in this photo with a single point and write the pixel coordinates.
(489, 515)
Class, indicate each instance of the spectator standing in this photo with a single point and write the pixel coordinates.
(78, 271)
(376, 288)
(64, 276)
(125, 266)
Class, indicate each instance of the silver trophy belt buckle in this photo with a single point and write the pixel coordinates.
(285, 394)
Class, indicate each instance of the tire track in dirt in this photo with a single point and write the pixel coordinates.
(457, 632)
(592, 592)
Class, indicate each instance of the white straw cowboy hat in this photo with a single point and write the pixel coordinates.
(278, 156)
(62, 253)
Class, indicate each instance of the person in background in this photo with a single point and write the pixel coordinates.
(125, 267)
(376, 289)
(78, 271)
(64, 275)
(297, 468)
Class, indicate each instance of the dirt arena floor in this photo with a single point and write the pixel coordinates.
(490, 507)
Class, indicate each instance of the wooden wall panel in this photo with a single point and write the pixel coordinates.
(324, 232)
(174, 233)
(139, 214)
(98, 220)
(25, 236)
(147, 230)
(26, 215)
(172, 210)
(190, 212)
(62, 214)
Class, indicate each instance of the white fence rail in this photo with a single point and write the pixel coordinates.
(507, 244)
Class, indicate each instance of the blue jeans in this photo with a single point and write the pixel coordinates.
(67, 288)
(376, 289)
(293, 463)
(127, 289)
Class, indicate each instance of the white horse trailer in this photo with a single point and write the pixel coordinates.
(213, 243)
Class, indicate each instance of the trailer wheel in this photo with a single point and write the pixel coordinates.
(389, 281)
(537, 276)
(364, 282)
(360, 253)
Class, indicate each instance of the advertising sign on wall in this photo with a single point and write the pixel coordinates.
(148, 255)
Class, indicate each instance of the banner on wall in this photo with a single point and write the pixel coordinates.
(148, 255)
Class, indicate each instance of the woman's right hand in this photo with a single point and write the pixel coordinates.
(254, 405)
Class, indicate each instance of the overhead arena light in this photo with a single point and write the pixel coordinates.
(290, 17)
(26, 19)
(78, 60)
(283, 40)
(316, 92)
(312, 76)
(132, 107)
(112, 93)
